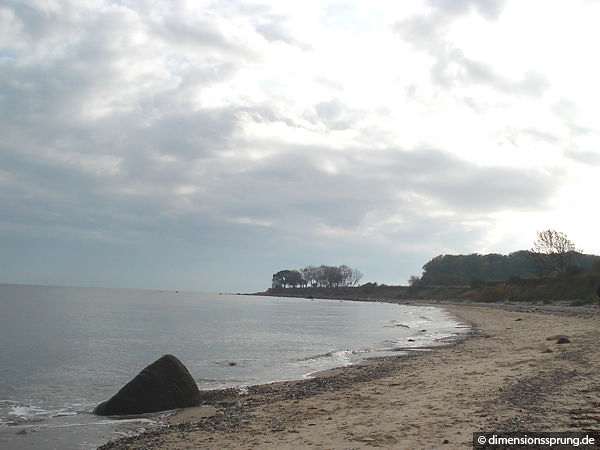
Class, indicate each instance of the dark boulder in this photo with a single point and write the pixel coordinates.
(163, 385)
(563, 340)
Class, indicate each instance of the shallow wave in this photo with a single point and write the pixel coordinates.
(22, 413)
(15, 413)
(395, 323)
(41, 426)
(310, 358)
(336, 354)
(205, 380)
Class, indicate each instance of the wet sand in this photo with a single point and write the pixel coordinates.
(506, 376)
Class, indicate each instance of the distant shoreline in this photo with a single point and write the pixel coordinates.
(554, 307)
(576, 290)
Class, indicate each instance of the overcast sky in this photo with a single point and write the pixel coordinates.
(205, 145)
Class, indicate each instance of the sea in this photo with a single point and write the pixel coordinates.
(63, 350)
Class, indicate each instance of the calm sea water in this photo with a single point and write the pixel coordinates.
(64, 350)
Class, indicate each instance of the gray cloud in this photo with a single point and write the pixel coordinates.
(581, 152)
(427, 29)
(292, 186)
(329, 110)
(584, 156)
(112, 170)
(452, 68)
(273, 29)
(490, 10)
(581, 137)
(335, 115)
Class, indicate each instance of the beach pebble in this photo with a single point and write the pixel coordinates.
(556, 337)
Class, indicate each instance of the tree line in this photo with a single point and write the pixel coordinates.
(552, 255)
(321, 276)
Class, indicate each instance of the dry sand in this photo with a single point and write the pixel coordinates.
(507, 376)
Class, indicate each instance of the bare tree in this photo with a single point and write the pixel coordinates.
(346, 275)
(333, 276)
(552, 251)
(310, 274)
(356, 276)
(330, 276)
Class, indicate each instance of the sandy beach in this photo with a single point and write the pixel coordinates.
(509, 374)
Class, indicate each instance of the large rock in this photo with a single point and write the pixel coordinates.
(165, 384)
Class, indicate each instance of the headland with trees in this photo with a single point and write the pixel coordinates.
(553, 269)
(321, 276)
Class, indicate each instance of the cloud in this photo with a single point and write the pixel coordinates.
(274, 29)
(588, 157)
(452, 8)
(429, 28)
(289, 188)
(228, 137)
(335, 115)
(454, 69)
(451, 68)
